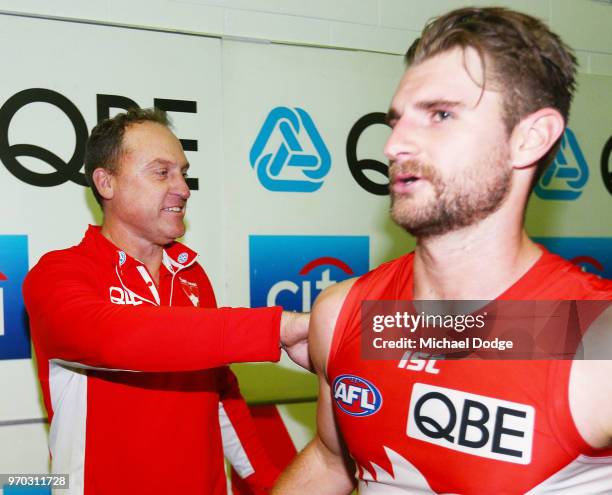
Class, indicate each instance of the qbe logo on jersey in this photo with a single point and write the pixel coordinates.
(14, 337)
(290, 271)
(289, 154)
(356, 396)
(470, 423)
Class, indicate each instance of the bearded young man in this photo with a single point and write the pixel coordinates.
(477, 115)
(130, 347)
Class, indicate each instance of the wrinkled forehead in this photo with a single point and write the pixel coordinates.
(453, 74)
(147, 141)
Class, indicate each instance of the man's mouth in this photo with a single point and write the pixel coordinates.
(174, 209)
(407, 179)
(403, 183)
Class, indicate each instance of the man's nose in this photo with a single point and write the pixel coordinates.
(403, 141)
(181, 188)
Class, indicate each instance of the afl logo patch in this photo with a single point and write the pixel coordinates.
(356, 396)
(182, 257)
(122, 258)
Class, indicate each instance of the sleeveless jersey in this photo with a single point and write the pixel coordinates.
(463, 426)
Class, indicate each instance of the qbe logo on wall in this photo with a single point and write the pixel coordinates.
(289, 154)
(69, 170)
(14, 337)
(290, 271)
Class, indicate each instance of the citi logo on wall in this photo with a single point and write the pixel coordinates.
(14, 336)
(565, 178)
(291, 271)
(289, 154)
(592, 254)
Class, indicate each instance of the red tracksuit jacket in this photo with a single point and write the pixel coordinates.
(138, 395)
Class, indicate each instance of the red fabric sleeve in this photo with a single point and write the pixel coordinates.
(70, 321)
(265, 472)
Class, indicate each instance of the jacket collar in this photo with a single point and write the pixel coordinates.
(175, 256)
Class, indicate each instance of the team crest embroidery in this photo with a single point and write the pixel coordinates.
(191, 290)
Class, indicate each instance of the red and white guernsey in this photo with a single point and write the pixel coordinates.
(139, 399)
(463, 427)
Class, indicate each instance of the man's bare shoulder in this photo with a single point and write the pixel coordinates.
(323, 321)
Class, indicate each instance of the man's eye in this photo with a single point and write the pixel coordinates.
(441, 115)
(162, 172)
(185, 174)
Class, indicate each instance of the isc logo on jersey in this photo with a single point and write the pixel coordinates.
(356, 396)
(290, 271)
(470, 423)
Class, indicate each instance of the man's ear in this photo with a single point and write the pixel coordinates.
(534, 135)
(103, 180)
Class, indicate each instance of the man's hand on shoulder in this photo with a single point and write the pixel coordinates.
(297, 329)
(294, 337)
(325, 313)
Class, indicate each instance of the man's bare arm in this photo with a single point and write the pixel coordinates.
(590, 387)
(324, 466)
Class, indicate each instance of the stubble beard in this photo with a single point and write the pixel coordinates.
(457, 202)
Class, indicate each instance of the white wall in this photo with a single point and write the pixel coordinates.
(374, 25)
